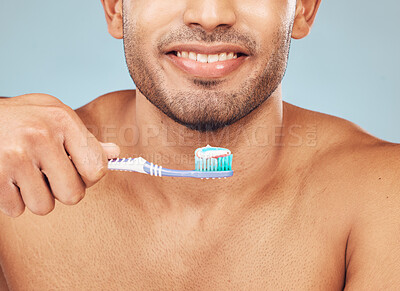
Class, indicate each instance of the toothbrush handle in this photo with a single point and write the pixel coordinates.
(156, 170)
(128, 164)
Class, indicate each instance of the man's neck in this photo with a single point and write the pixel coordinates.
(254, 142)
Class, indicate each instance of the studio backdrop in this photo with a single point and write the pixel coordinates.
(348, 66)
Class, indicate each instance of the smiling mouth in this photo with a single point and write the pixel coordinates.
(216, 64)
(207, 58)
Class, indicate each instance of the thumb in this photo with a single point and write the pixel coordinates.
(111, 149)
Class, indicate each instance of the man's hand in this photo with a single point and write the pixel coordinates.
(46, 153)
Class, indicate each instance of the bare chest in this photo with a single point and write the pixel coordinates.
(89, 247)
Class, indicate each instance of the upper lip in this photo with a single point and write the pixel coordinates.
(207, 50)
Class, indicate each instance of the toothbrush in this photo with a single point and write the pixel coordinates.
(210, 162)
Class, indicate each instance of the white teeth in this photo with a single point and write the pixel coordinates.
(213, 58)
(193, 56)
(202, 58)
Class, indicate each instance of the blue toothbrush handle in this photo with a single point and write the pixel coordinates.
(156, 170)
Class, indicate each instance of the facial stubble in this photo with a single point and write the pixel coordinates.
(204, 107)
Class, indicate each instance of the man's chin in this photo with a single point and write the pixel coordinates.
(207, 127)
(203, 126)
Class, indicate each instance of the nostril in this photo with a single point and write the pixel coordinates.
(210, 15)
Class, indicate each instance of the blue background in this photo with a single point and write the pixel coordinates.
(348, 66)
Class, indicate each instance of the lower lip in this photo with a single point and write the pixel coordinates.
(207, 70)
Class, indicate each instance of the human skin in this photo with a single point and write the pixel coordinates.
(313, 203)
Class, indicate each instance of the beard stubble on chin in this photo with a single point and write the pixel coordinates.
(203, 107)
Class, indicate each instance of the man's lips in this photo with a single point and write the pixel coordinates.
(206, 70)
(207, 50)
(215, 69)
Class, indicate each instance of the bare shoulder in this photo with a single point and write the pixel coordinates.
(105, 107)
(355, 155)
(363, 173)
(373, 250)
(362, 168)
(343, 144)
(106, 112)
